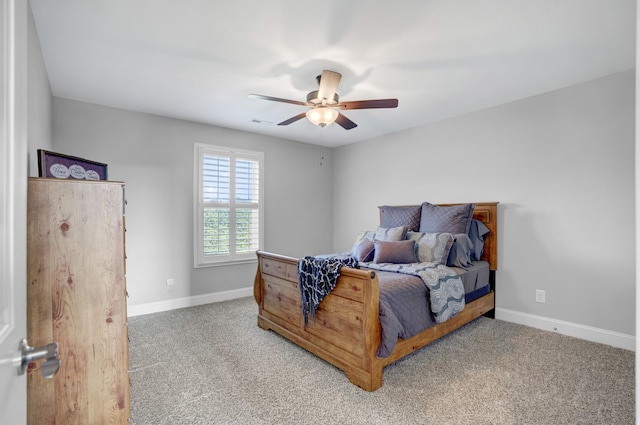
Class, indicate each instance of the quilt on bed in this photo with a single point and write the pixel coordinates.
(446, 292)
(414, 297)
(403, 310)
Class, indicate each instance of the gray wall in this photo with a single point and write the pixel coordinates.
(39, 99)
(561, 165)
(154, 156)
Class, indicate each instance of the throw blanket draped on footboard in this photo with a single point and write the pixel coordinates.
(317, 278)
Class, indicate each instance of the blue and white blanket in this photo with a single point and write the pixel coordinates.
(317, 276)
(446, 291)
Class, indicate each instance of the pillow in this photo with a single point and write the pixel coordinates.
(363, 251)
(432, 247)
(390, 233)
(477, 232)
(365, 234)
(399, 252)
(460, 254)
(401, 216)
(454, 219)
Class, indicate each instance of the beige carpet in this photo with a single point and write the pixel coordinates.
(212, 365)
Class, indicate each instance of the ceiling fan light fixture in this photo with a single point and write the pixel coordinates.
(324, 103)
(322, 116)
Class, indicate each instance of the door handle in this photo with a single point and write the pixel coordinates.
(49, 353)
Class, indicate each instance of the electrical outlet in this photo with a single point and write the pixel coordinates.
(170, 282)
(540, 296)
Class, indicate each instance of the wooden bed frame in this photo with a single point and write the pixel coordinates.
(347, 332)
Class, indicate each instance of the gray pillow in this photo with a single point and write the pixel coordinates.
(432, 247)
(460, 253)
(477, 233)
(398, 252)
(363, 251)
(453, 219)
(391, 216)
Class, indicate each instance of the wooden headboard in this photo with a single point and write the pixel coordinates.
(487, 213)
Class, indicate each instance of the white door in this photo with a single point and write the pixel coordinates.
(13, 203)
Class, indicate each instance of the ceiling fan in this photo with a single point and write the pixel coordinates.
(324, 103)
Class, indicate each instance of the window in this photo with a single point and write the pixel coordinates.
(228, 206)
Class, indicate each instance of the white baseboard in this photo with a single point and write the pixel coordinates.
(138, 310)
(615, 339)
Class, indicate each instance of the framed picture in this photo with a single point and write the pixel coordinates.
(59, 166)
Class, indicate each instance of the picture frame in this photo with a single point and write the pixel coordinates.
(60, 166)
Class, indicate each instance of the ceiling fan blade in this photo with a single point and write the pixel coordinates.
(278, 99)
(368, 104)
(345, 122)
(329, 81)
(293, 119)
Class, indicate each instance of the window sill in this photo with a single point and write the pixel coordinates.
(225, 263)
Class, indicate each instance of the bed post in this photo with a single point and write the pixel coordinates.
(370, 377)
(491, 314)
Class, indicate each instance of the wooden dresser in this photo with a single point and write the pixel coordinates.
(76, 295)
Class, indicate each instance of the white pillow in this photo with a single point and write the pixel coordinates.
(390, 234)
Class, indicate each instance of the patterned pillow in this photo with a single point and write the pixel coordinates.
(401, 216)
(398, 252)
(390, 233)
(432, 247)
(453, 219)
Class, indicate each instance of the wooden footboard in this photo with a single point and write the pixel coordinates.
(346, 332)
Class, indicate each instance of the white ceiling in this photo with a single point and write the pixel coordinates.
(198, 60)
